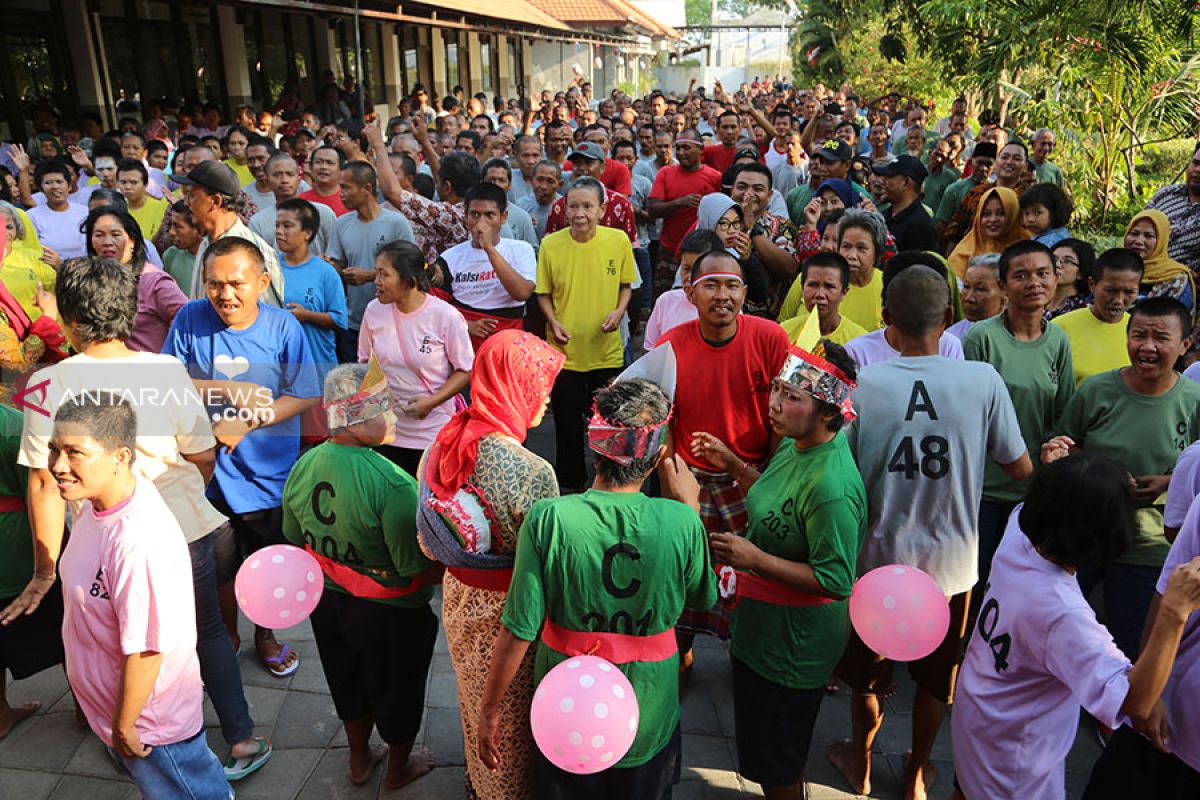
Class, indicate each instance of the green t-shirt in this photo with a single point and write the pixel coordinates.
(1049, 173)
(952, 198)
(358, 508)
(16, 539)
(809, 506)
(1145, 434)
(179, 264)
(1040, 381)
(616, 562)
(936, 184)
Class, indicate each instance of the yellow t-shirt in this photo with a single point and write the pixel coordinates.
(846, 330)
(1095, 346)
(150, 216)
(31, 241)
(243, 172)
(584, 281)
(864, 304)
(21, 273)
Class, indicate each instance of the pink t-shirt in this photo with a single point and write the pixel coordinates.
(433, 341)
(127, 588)
(671, 309)
(1183, 687)
(873, 347)
(159, 300)
(1037, 654)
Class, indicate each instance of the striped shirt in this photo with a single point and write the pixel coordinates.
(1184, 216)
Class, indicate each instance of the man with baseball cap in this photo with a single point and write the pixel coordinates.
(214, 199)
(832, 160)
(909, 222)
(588, 161)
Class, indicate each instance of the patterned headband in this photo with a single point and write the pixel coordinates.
(622, 445)
(818, 378)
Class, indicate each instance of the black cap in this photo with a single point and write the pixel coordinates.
(747, 152)
(835, 150)
(906, 165)
(984, 150)
(214, 176)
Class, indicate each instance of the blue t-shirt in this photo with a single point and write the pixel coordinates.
(272, 353)
(316, 285)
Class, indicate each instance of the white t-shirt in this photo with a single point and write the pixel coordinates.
(61, 230)
(873, 348)
(474, 283)
(1183, 687)
(1037, 654)
(959, 329)
(172, 421)
(926, 426)
(1184, 486)
(773, 158)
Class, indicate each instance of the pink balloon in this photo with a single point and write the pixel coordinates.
(278, 586)
(584, 715)
(899, 612)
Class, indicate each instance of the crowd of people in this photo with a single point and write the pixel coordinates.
(859, 337)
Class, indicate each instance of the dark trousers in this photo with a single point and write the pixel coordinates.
(1131, 767)
(571, 402)
(650, 781)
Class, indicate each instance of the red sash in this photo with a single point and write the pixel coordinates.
(755, 587)
(12, 504)
(619, 648)
(364, 586)
(494, 580)
(502, 323)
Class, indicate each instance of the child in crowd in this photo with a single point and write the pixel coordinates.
(1045, 212)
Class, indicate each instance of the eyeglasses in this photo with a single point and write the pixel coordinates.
(1066, 261)
(735, 225)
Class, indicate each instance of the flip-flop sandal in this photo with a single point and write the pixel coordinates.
(238, 768)
(269, 661)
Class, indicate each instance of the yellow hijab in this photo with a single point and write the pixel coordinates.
(1159, 267)
(976, 244)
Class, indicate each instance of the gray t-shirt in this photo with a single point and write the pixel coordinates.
(926, 425)
(520, 226)
(537, 212)
(263, 223)
(355, 244)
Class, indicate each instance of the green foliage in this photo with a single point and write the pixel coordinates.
(697, 12)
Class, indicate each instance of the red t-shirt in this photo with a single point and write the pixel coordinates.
(673, 181)
(615, 178)
(724, 390)
(718, 156)
(334, 200)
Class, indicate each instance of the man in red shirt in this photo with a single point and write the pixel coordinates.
(326, 174)
(675, 197)
(615, 177)
(724, 365)
(588, 160)
(720, 156)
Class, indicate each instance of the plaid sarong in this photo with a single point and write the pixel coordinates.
(722, 510)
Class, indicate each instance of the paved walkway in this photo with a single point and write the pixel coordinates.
(49, 757)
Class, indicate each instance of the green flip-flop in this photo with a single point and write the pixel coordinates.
(238, 768)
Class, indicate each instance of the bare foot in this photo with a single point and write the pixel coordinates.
(14, 714)
(420, 762)
(917, 780)
(363, 764)
(854, 766)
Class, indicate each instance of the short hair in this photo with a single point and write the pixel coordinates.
(108, 148)
(870, 221)
(528, 138)
(1018, 143)
(128, 224)
(407, 165)
(98, 298)
(1053, 199)
(552, 165)
(362, 174)
(1119, 259)
(838, 356)
(278, 156)
(989, 261)
(306, 212)
(261, 141)
(699, 242)
(343, 381)
(486, 193)
(133, 135)
(1079, 509)
(133, 165)
(911, 258)
(154, 145)
(758, 168)
(341, 158)
(491, 125)
(497, 163)
(406, 260)
(228, 245)
(1018, 249)
(622, 144)
(728, 113)
(105, 415)
(917, 300)
(826, 261)
(10, 211)
(714, 255)
(461, 171)
(591, 184)
(467, 133)
(53, 166)
(423, 185)
(633, 403)
(108, 197)
(1163, 306)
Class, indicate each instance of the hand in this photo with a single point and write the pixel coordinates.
(502, 144)
(1148, 488)
(421, 133)
(19, 157)
(301, 313)
(419, 407)
(812, 213)
(127, 743)
(743, 106)
(690, 201)
(80, 158)
(677, 481)
(1056, 448)
(485, 737)
(867, 204)
(50, 257)
(560, 334)
(715, 452)
(374, 137)
(736, 551)
(1157, 727)
(357, 277)
(46, 301)
(612, 321)
(230, 432)
(481, 328)
(1183, 589)
(28, 600)
(740, 241)
(484, 235)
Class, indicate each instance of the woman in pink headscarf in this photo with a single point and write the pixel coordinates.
(477, 482)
